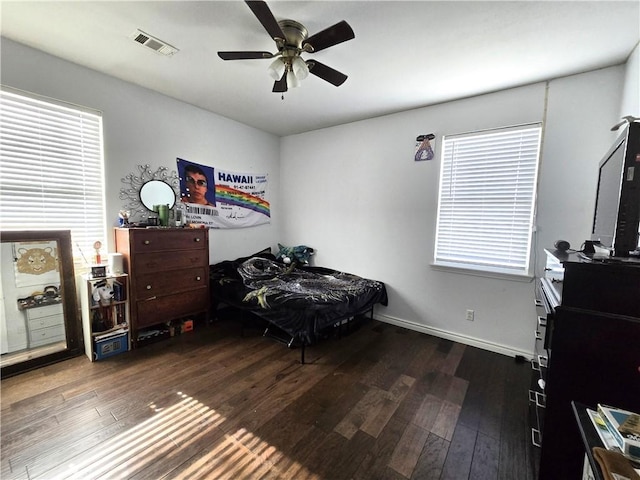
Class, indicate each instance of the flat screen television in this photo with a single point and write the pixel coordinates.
(616, 218)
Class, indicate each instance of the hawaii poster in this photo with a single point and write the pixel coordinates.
(222, 199)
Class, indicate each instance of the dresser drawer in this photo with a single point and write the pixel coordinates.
(157, 310)
(46, 311)
(151, 285)
(44, 336)
(42, 322)
(146, 263)
(150, 240)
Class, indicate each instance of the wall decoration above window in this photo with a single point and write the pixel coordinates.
(425, 145)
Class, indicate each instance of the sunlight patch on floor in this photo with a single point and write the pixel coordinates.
(170, 444)
(146, 442)
(243, 455)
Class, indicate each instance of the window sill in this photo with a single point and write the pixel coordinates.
(479, 272)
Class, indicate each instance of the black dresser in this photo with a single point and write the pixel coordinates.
(587, 351)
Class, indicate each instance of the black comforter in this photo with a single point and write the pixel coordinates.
(302, 301)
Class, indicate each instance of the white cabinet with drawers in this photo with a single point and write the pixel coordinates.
(45, 325)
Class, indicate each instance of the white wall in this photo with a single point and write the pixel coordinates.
(582, 109)
(355, 194)
(144, 127)
(630, 104)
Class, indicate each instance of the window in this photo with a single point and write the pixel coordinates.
(51, 169)
(486, 199)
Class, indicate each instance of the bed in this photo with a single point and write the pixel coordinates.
(304, 302)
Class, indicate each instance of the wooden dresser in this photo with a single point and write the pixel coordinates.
(168, 271)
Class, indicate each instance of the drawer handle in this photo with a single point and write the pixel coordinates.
(539, 303)
(147, 242)
(537, 398)
(542, 361)
(541, 400)
(148, 287)
(197, 239)
(198, 278)
(535, 433)
(542, 321)
(535, 366)
(538, 335)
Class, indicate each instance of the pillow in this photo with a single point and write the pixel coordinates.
(298, 254)
(264, 253)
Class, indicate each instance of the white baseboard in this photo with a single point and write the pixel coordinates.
(456, 337)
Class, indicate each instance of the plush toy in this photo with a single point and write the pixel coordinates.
(298, 254)
(103, 296)
(102, 293)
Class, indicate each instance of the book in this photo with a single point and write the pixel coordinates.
(631, 425)
(603, 432)
(118, 291)
(111, 333)
(629, 443)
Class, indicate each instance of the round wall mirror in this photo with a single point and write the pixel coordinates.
(157, 192)
(145, 188)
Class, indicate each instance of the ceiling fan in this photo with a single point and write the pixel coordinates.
(292, 40)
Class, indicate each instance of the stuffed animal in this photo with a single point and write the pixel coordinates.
(298, 254)
(102, 293)
(103, 296)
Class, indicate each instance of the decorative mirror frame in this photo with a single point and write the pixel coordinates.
(72, 321)
(133, 182)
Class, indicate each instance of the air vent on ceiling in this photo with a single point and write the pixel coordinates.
(153, 43)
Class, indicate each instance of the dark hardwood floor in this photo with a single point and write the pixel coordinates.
(380, 403)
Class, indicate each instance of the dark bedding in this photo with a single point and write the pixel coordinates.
(302, 301)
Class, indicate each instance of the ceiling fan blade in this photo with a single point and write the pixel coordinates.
(326, 73)
(263, 14)
(244, 55)
(338, 33)
(280, 86)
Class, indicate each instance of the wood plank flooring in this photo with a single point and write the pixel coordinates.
(380, 403)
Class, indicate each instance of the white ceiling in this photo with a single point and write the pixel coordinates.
(406, 54)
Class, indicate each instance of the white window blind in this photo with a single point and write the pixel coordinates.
(486, 199)
(51, 170)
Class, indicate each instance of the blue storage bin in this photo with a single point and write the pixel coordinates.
(111, 346)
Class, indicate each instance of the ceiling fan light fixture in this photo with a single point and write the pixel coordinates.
(292, 80)
(300, 68)
(276, 69)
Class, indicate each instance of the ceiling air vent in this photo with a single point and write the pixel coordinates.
(153, 43)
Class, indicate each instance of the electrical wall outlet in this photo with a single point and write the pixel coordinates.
(470, 315)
